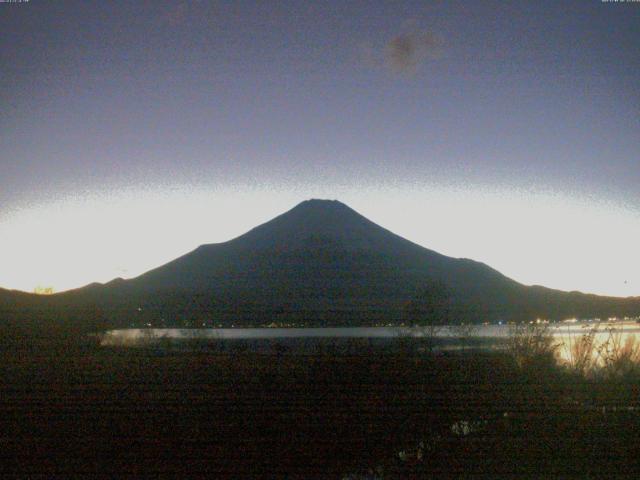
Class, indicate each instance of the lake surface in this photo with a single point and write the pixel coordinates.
(489, 336)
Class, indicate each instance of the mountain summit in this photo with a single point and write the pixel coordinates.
(320, 263)
(323, 263)
(316, 219)
(319, 242)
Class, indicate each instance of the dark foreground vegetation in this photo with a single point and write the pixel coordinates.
(360, 412)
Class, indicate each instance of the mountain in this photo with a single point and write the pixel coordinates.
(320, 263)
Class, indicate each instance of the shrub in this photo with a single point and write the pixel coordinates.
(466, 333)
(581, 354)
(614, 358)
(618, 358)
(429, 309)
(532, 345)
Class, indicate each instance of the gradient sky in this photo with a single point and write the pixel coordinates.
(507, 132)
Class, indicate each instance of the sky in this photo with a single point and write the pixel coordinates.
(507, 132)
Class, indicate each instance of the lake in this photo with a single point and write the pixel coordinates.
(486, 336)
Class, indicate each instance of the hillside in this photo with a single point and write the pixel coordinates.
(320, 263)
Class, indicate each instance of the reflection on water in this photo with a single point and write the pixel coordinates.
(601, 341)
(490, 336)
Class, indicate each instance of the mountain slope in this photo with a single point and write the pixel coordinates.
(320, 263)
(321, 257)
(324, 263)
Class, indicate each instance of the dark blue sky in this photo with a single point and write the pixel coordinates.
(130, 96)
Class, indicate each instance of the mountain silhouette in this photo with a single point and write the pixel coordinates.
(320, 263)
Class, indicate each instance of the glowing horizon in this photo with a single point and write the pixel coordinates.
(507, 136)
(557, 241)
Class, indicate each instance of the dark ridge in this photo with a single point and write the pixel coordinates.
(320, 263)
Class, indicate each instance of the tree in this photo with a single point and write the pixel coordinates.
(430, 310)
(465, 332)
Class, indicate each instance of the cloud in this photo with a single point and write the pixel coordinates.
(405, 52)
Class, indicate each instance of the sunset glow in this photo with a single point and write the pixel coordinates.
(508, 134)
(534, 238)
